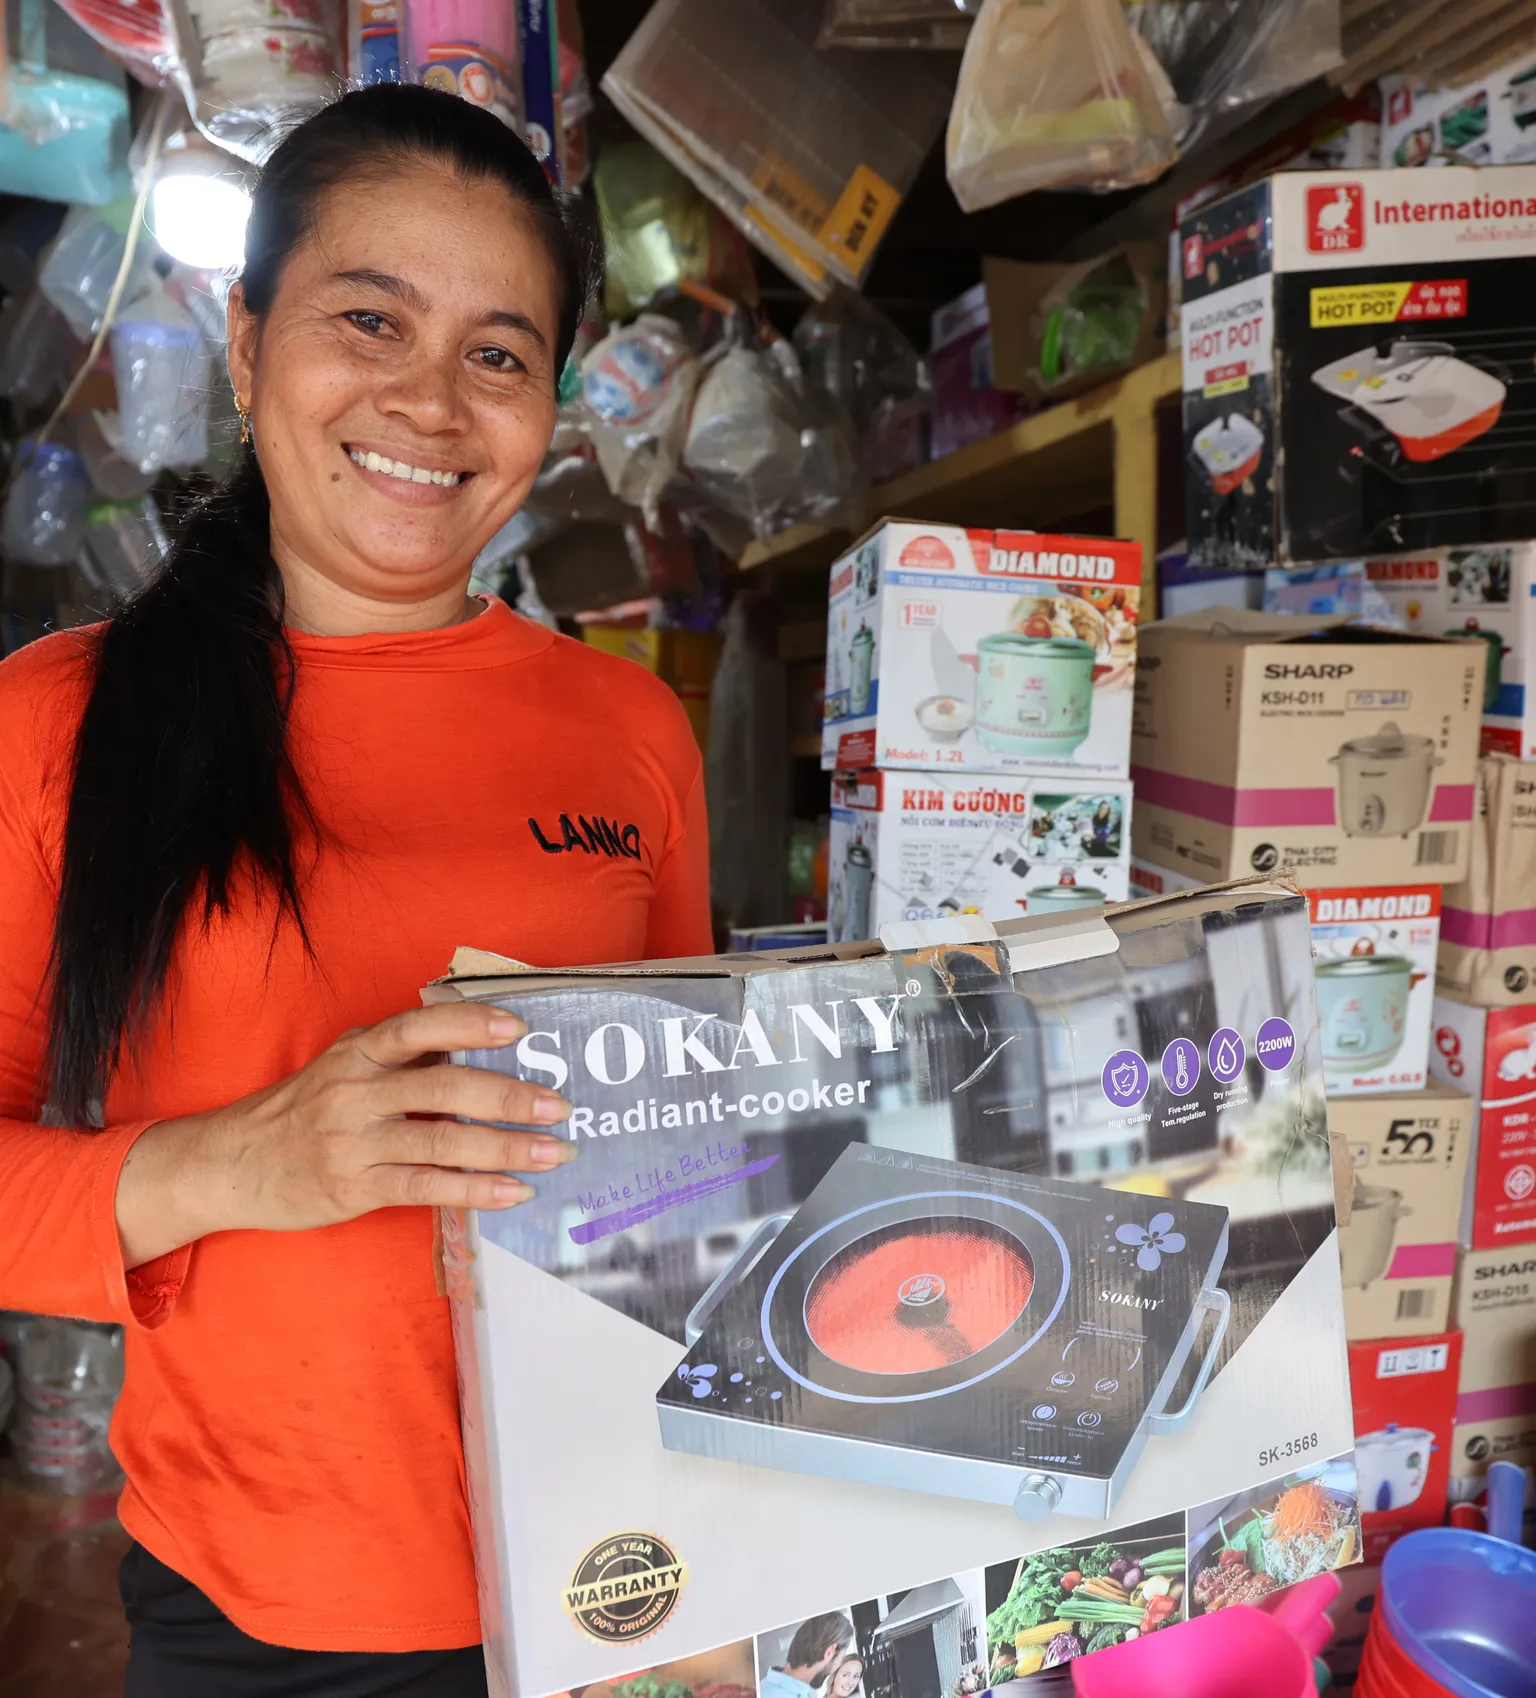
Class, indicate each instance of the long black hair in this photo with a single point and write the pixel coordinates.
(184, 794)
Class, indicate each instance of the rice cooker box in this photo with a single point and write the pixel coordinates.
(1484, 122)
(1488, 924)
(1495, 1308)
(1405, 1407)
(1344, 754)
(1490, 1053)
(1006, 1250)
(1397, 1246)
(924, 845)
(1358, 365)
(1375, 966)
(985, 651)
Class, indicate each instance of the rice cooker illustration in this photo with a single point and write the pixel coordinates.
(1384, 782)
(1230, 450)
(1365, 1245)
(1430, 400)
(1392, 1465)
(1065, 894)
(1034, 695)
(859, 884)
(861, 654)
(1362, 1008)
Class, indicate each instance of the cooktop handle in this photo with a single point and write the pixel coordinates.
(761, 1236)
(1214, 1301)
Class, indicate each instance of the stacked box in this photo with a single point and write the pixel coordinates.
(1488, 931)
(1405, 1400)
(1495, 1308)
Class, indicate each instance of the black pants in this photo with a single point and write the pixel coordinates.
(184, 1646)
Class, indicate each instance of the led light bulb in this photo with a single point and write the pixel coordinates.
(199, 218)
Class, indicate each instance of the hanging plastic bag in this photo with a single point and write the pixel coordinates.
(111, 475)
(1224, 55)
(81, 266)
(636, 386)
(124, 542)
(161, 364)
(1090, 322)
(45, 510)
(1055, 94)
(744, 448)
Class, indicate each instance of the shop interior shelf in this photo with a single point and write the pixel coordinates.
(1098, 451)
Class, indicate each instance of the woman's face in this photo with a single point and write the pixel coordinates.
(846, 1681)
(415, 328)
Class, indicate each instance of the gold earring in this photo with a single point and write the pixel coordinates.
(245, 420)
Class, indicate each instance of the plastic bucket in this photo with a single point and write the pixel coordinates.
(1461, 1608)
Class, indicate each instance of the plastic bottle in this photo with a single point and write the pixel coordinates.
(69, 1374)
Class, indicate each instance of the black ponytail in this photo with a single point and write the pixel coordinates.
(184, 798)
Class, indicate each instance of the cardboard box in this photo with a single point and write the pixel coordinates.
(684, 659)
(1350, 1614)
(1486, 122)
(967, 404)
(1344, 755)
(1491, 1054)
(1495, 1308)
(986, 651)
(1358, 365)
(1395, 927)
(1405, 1407)
(1488, 930)
(808, 153)
(923, 845)
(1036, 310)
(780, 1157)
(1397, 1252)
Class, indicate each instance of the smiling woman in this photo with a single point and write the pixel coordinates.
(240, 825)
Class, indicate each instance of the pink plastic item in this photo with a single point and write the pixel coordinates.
(1239, 1652)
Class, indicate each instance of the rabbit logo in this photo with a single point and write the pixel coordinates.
(1335, 218)
(1519, 1065)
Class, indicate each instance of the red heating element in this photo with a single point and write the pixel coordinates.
(917, 1297)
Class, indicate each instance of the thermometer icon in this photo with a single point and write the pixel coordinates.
(1181, 1069)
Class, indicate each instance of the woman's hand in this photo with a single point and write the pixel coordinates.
(333, 1140)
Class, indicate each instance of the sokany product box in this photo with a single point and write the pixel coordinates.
(1490, 1053)
(1358, 365)
(1495, 1308)
(959, 1305)
(1488, 925)
(922, 845)
(1345, 755)
(1486, 122)
(1375, 951)
(1487, 594)
(1405, 1392)
(1005, 651)
(1397, 1248)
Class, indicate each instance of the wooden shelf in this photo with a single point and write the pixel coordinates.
(1097, 451)
(806, 748)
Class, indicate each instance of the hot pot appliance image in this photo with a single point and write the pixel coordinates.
(1392, 1465)
(923, 1324)
(1034, 695)
(1430, 400)
(1229, 449)
(1362, 1009)
(1384, 782)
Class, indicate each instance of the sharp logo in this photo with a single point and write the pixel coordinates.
(1309, 669)
(1506, 1270)
(1125, 1301)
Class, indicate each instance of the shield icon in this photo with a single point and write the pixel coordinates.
(1124, 1079)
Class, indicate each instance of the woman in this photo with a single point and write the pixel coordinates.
(847, 1677)
(240, 825)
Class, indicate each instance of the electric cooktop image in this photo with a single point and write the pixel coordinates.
(923, 1324)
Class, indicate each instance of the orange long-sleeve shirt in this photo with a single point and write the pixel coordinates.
(289, 1424)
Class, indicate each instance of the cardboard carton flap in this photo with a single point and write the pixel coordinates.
(1249, 625)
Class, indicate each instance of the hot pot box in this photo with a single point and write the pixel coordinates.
(1405, 1407)
(1358, 365)
(1490, 1053)
(978, 1289)
(1488, 930)
(1495, 1308)
(923, 845)
(1375, 962)
(1399, 1233)
(986, 651)
(1343, 754)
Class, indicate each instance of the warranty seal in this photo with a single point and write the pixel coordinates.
(625, 1588)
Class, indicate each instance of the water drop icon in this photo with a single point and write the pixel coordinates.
(1226, 1057)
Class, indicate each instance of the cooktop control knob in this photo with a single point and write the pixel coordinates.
(1037, 1497)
